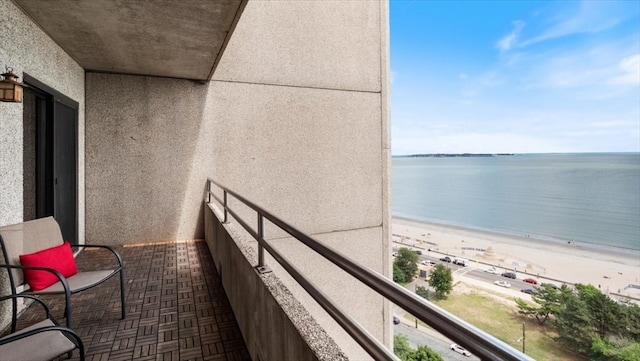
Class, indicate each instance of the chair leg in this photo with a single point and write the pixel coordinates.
(67, 311)
(14, 314)
(123, 307)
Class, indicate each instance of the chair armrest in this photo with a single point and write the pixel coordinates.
(41, 302)
(59, 275)
(109, 248)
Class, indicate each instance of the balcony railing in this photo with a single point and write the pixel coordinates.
(470, 337)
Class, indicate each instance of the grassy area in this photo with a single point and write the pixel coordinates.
(503, 322)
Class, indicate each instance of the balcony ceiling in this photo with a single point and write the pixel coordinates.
(168, 38)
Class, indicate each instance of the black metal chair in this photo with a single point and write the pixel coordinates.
(43, 233)
(44, 340)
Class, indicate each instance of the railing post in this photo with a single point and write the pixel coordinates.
(262, 268)
(225, 206)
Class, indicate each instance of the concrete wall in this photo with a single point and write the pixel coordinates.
(303, 132)
(275, 326)
(145, 146)
(25, 48)
(294, 119)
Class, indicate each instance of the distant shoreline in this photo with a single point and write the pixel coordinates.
(438, 155)
(448, 155)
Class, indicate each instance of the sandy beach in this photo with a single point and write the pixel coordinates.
(614, 270)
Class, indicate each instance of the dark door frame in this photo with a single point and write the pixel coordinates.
(45, 150)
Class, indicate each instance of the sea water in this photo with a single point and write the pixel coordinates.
(592, 198)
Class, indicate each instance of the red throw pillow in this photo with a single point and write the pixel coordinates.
(59, 258)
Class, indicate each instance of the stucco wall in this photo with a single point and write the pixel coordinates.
(27, 49)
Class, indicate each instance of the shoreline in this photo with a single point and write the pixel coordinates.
(611, 269)
(592, 247)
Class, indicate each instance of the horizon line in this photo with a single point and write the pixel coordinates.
(513, 153)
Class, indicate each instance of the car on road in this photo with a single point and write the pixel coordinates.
(459, 349)
(418, 252)
(492, 270)
(509, 275)
(445, 259)
(529, 291)
(427, 262)
(503, 284)
(460, 261)
(549, 285)
(531, 280)
(396, 320)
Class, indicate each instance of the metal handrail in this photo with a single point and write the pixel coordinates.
(478, 342)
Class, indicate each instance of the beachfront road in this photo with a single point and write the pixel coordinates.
(479, 274)
(438, 344)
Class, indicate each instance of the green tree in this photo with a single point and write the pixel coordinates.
(603, 350)
(407, 262)
(401, 347)
(604, 313)
(406, 353)
(631, 321)
(424, 353)
(441, 280)
(549, 302)
(398, 275)
(574, 325)
(422, 292)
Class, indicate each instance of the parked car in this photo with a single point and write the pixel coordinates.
(503, 284)
(395, 254)
(396, 320)
(529, 291)
(531, 280)
(492, 270)
(427, 262)
(549, 285)
(419, 252)
(460, 261)
(459, 349)
(445, 259)
(509, 275)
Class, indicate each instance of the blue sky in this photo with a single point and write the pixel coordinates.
(515, 76)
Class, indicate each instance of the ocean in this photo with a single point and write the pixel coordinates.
(588, 197)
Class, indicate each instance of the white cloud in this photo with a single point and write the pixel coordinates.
(510, 40)
(630, 68)
(590, 17)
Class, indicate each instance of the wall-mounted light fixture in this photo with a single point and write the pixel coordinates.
(10, 88)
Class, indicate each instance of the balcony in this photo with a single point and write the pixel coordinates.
(176, 307)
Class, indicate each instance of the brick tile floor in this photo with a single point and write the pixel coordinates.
(176, 307)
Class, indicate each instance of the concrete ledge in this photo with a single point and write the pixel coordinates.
(275, 326)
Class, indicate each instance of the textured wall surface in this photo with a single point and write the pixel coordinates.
(25, 48)
(145, 171)
(274, 324)
(301, 128)
(295, 119)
